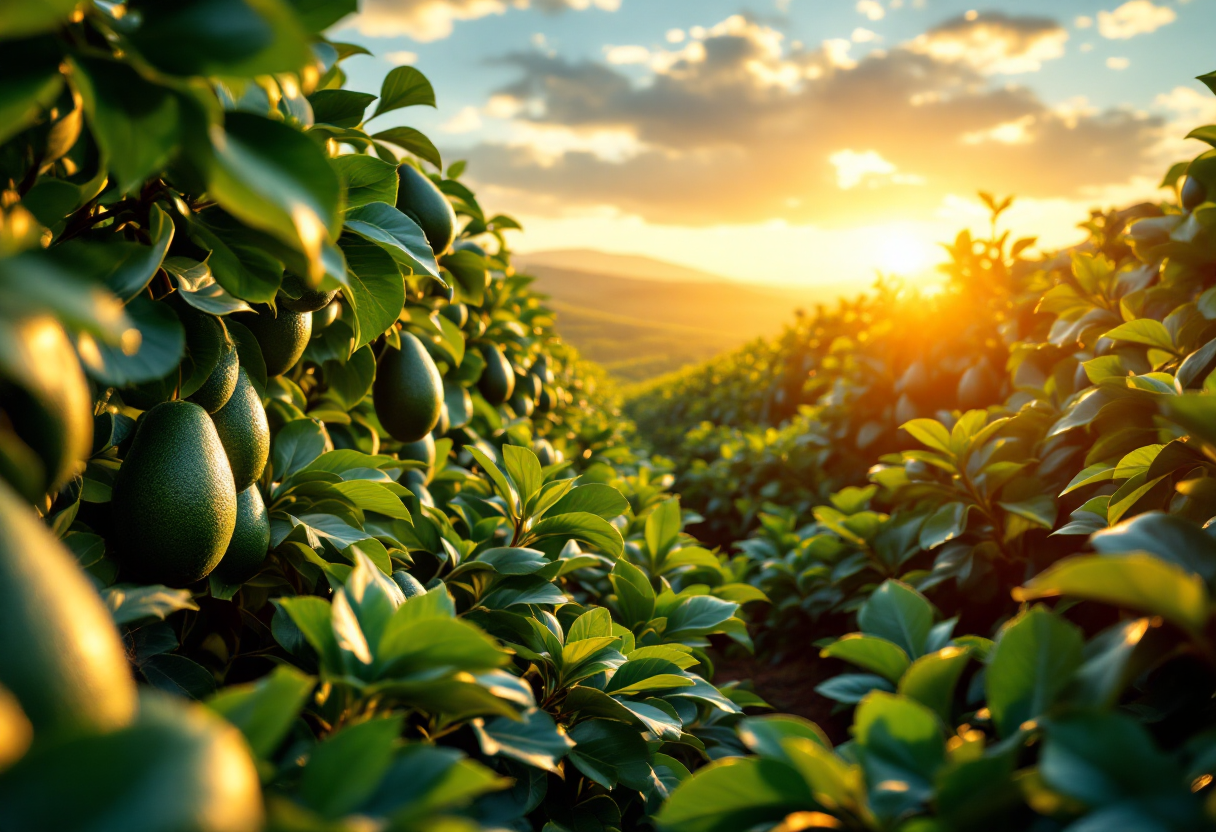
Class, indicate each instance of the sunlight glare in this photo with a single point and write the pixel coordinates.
(902, 253)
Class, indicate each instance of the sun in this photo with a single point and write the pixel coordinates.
(900, 252)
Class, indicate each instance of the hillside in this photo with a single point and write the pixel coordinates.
(640, 317)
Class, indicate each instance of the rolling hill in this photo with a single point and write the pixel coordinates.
(640, 317)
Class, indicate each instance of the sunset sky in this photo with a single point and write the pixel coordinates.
(798, 141)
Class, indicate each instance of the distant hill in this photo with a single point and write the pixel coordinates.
(640, 317)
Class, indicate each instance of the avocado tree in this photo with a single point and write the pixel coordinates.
(306, 514)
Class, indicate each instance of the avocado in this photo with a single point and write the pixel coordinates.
(250, 539)
(457, 313)
(528, 384)
(282, 337)
(297, 297)
(421, 451)
(410, 587)
(497, 381)
(62, 656)
(1193, 193)
(544, 452)
(520, 404)
(542, 370)
(244, 433)
(217, 389)
(459, 404)
(46, 401)
(420, 200)
(445, 421)
(324, 317)
(544, 402)
(408, 390)
(174, 502)
(178, 767)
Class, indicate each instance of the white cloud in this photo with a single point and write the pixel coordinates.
(1117, 63)
(466, 121)
(627, 54)
(1084, 22)
(401, 57)
(872, 9)
(675, 35)
(994, 43)
(1135, 17)
(868, 168)
(861, 35)
(429, 20)
(1009, 132)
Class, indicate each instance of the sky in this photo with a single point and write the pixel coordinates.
(804, 142)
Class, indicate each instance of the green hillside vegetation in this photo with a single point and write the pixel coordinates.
(663, 319)
(479, 603)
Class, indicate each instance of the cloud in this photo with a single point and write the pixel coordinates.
(745, 129)
(428, 20)
(994, 43)
(1117, 63)
(401, 57)
(466, 121)
(872, 9)
(1135, 17)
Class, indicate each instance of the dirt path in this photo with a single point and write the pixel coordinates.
(789, 686)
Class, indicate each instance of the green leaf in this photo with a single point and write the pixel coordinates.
(197, 286)
(764, 735)
(237, 258)
(512, 560)
(417, 644)
(24, 98)
(663, 526)
(582, 526)
(931, 679)
(1147, 331)
(350, 381)
(875, 654)
(469, 271)
(899, 614)
(1168, 536)
(265, 710)
(22, 19)
(608, 752)
(275, 178)
(397, 234)
(345, 768)
(595, 623)
(851, 688)
(1195, 412)
(931, 433)
(129, 603)
(1137, 581)
(341, 108)
(594, 498)
(699, 615)
(944, 524)
(367, 179)
(314, 619)
(374, 287)
(296, 445)
(373, 496)
(501, 484)
(137, 123)
(901, 748)
(1034, 657)
(404, 87)
(736, 793)
(533, 740)
(524, 470)
(637, 675)
(413, 141)
(634, 594)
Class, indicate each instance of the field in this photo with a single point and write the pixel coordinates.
(321, 510)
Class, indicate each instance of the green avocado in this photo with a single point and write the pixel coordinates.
(324, 317)
(425, 204)
(244, 433)
(299, 298)
(47, 404)
(457, 313)
(217, 389)
(521, 404)
(408, 390)
(544, 402)
(178, 767)
(459, 404)
(421, 451)
(250, 539)
(282, 337)
(62, 657)
(410, 587)
(174, 502)
(544, 452)
(497, 381)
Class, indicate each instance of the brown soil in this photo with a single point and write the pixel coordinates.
(789, 686)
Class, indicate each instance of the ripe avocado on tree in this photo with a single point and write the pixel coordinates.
(408, 390)
(179, 766)
(46, 403)
(421, 451)
(521, 404)
(174, 501)
(497, 381)
(244, 433)
(250, 539)
(217, 389)
(62, 656)
(420, 200)
(326, 316)
(282, 337)
(297, 297)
